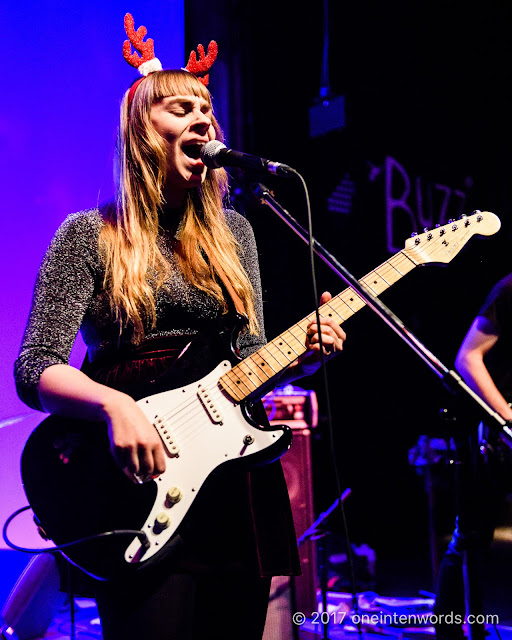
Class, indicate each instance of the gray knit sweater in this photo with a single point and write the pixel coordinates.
(69, 297)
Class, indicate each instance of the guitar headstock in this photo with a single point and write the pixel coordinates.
(442, 244)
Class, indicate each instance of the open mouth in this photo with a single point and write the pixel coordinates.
(193, 151)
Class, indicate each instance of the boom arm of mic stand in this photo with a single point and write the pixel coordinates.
(314, 529)
(450, 378)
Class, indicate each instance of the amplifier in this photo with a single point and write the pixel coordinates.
(297, 408)
(293, 406)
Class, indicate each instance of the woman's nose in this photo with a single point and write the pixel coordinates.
(202, 122)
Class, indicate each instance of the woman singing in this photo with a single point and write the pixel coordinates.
(141, 278)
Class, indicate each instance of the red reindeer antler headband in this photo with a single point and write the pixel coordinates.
(147, 62)
(204, 63)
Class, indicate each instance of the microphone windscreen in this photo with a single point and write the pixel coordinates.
(209, 153)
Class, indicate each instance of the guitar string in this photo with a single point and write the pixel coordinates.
(179, 417)
(189, 426)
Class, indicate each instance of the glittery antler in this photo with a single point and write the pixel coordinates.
(204, 63)
(147, 63)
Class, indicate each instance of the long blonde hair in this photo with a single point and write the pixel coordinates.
(135, 267)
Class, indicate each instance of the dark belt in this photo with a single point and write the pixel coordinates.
(138, 365)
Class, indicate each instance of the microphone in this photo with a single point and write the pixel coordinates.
(214, 154)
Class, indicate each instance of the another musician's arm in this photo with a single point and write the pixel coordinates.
(479, 340)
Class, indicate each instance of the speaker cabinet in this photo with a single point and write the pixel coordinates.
(298, 593)
(297, 470)
(298, 409)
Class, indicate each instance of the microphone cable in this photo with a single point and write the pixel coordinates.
(257, 190)
(325, 379)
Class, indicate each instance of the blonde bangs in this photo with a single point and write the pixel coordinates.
(177, 83)
(161, 84)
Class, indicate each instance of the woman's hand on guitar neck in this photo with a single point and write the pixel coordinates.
(333, 338)
(134, 441)
(333, 335)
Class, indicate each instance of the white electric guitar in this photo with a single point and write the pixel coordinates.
(76, 490)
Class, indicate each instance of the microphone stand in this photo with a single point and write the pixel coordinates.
(450, 379)
(318, 533)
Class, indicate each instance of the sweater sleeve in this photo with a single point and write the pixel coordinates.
(64, 288)
(242, 230)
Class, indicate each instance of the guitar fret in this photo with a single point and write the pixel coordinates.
(285, 348)
(302, 326)
(237, 375)
(230, 387)
(293, 342)
(327, 310)
(397, 260)
(375, 283)
(347, 307)
(352, 300)
(381, 275)
(392, 274)
(329, 305)
(244, 366)
(408, 261)
(278, 355)
(299, 333)
(262, 362)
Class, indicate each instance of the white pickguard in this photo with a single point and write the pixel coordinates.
(201, 427)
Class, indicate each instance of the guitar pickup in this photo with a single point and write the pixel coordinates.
(167, 437)
(204, 396)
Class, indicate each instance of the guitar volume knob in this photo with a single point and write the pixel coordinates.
(173, 496)
(162, 521)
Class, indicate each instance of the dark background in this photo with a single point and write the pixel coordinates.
(428, 84)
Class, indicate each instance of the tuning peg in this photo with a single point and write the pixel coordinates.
(437, 225)
(414, 233)
(425, 229)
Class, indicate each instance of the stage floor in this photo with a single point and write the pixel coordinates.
(88, 627)
(401, 576)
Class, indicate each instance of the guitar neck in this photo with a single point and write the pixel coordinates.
(245, 378)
